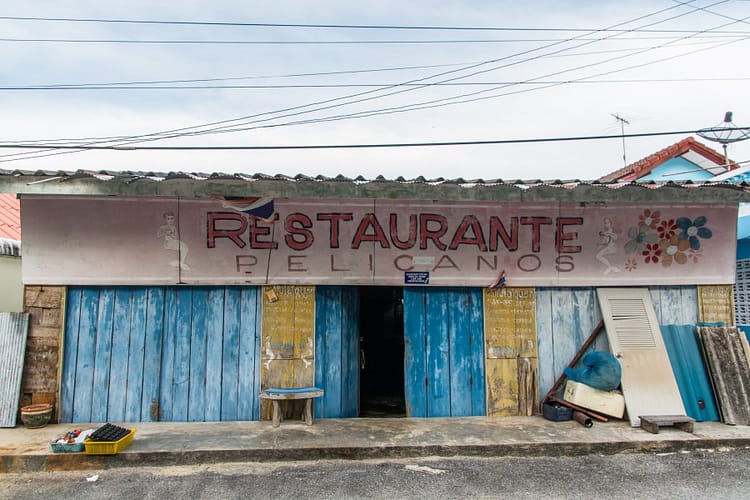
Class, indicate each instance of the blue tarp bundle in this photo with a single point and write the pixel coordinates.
(600, 370)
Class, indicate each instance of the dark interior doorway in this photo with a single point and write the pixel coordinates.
(381, 327)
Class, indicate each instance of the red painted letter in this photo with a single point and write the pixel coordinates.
(334, 219)
(298, 237)
(213, 232)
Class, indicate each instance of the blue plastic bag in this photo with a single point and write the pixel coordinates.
(600, 370)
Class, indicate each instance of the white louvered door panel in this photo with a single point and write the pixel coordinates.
(648, 383)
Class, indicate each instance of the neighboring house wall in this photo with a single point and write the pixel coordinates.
(11, 290)
(677, 169)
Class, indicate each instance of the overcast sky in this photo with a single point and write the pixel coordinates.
(546, 70)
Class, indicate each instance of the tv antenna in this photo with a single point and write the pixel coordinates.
(725, 133)
(623, 122)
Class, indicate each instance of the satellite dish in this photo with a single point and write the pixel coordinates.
(725, 133)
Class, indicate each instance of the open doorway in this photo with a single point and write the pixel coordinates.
(381, 327)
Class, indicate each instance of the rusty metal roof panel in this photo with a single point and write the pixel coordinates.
(13, 330)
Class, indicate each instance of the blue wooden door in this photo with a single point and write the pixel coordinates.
(140, 354)
(444, 352)
(337, 351)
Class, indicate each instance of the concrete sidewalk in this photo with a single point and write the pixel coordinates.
(162, 444)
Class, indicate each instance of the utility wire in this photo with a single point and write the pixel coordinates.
(341, 26)
(465, 98)
(179, 84)
(398, 90)
(260, 77)
(361, 145)
(321, 42)
(378, 85)
(175, 132)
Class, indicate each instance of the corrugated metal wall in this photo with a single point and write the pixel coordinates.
(690, 371)
(13, 331)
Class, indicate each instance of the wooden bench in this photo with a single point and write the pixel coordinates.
(276, 395)
(651, 423)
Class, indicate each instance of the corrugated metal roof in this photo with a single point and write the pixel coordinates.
(13, 331)
(149, 183)
(10, 216)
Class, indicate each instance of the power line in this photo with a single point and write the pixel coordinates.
(359, 97)
(410, 107)
(319, 42)
(368, 85)
(356, 146)
(163, 84)
(342, 26)
(195, 130)
(178, 83)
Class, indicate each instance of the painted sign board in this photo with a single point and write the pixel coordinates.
(147, 240)
(416, 278)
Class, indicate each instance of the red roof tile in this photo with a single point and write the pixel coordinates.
(643, 167)
(10, 216)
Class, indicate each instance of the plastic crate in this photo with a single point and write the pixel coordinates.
(66, 447)
(109, 447)
(556, 412)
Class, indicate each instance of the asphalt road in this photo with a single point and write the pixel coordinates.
(721, 474)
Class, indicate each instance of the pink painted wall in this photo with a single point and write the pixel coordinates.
(87, 240)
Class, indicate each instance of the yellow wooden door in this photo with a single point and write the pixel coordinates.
(288, 342)
(511, 351)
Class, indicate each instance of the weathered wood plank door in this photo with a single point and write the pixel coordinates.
(140, 354)
(511, 352)
(288, 347)
(337, 351)
(444, 352)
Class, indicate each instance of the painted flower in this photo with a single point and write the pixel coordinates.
(691, 230)
(649, 218)
(695, 255)
(666, 229)
(674, 250)
(652, 253)
(631, 265)
(639, 237)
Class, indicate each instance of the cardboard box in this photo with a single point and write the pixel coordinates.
(610, 403)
